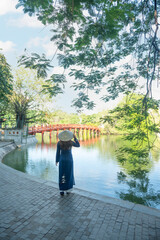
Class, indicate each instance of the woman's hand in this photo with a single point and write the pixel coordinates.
(56, 163)
(74, 136)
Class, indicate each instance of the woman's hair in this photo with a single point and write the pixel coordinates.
(65, 145)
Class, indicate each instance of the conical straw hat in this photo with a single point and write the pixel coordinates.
(66, 135)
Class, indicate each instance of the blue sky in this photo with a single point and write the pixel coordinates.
(19, 31)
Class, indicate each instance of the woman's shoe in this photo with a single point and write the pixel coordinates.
(61, 193)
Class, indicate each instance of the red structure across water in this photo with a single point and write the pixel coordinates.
(78, 129)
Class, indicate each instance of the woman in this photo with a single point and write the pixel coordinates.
(65, 160)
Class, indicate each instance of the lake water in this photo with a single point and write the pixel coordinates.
(96, 169)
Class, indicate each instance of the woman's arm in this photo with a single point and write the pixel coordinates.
(76, 142)
(58, 153)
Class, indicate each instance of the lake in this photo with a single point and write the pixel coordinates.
(96, 168)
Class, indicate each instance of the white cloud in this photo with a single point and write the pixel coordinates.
(35, 42)
(7, 6)
(49, 47)
(7, 46)
(25, 21)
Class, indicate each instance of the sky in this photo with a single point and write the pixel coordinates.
(18, 31)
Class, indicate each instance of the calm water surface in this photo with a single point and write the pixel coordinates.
(96, 169)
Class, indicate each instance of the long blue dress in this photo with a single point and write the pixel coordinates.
(65, 159)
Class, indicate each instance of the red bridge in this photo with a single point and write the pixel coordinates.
(78, 129)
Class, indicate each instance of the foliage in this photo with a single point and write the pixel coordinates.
(53, 86)
(58, 116)
(141, 129)
(139, 143)
(105, 44)
(20, 104)
(89, 119)
(41, 64)
(131, 116)
(27, 98)
(5, 85)
(55, 83)
(5, 78)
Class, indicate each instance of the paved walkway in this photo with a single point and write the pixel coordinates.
(32, 209)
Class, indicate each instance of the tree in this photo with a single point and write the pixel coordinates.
(99, 38)
(58, 116)
(137, 147)
(130, 117)
(6, 79)
(141, 129)
(28, 100)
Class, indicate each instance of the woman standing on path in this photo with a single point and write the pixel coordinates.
(65, 160)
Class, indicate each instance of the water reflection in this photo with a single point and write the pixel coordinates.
(140, 190)
(20, 160)
(97, 168)
(137, 161)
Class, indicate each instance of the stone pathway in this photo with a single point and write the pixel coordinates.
(32, 209)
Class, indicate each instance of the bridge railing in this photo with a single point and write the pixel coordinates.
(52, 127)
